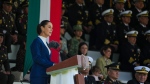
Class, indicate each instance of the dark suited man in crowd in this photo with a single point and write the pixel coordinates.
(138, 7)
(113, 74)
(85, 72)
(142, 27)
(140, 75)
(124, 26)
(118, 8)
(130, 53)
(5, 74)
(106, 31)
(7, 22)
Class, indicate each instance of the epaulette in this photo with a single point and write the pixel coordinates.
(65, 17)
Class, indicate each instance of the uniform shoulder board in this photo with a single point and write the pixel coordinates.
(65, 17)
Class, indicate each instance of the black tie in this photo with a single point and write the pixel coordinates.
(86, 79)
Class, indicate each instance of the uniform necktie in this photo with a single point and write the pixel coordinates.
(129, 4)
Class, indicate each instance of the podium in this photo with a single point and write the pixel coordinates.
(65, 71)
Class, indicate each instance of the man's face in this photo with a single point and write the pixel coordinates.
(109, 18)
(126, 20)
(132, 40)
(139, 4)
(113, 74)
(143, 20)
(7, 7)
(101, 2)
(79, 1)
(141, 77)
(119, 6)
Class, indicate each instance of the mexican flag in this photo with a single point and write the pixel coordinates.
(42, 10)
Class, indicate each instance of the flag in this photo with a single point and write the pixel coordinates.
(42, 10)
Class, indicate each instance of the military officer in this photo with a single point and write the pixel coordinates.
(78, 13)
(113, 74)
(142, 27)
(106, 31)
(130, 53)
(124, 26)
(5, 76)
(75, 41)
(96, 12)
(146, 50)
(138, 7)
(22, 20)
(118, 8)
(7, 22)
(65, 22)
(64, 48)
(140, 75)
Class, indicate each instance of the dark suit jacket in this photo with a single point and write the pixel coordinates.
(41, 61)
(135, 82)
(90, 80)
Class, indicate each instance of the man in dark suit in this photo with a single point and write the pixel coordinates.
(140, 75)
(142, 27)
(85, 72)
(130, 53)
(106, 31)
(113, 74)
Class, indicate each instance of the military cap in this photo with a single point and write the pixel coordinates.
(108, 12)
(126, 13)
(119, 1)
(90, 59)
(25, 3)
(77, 27)
(114, 66)
(143, 13)
(132, 33)
(147, 33)
(138, 0)
(8, 2)
(142, 69)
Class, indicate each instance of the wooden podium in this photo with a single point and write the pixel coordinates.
(65, 71)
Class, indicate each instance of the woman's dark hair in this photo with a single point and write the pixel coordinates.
(104, 48)
(43, 23)
(81, 44)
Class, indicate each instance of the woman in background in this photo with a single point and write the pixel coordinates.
(41, 54)
(83, 49)
(104, 60)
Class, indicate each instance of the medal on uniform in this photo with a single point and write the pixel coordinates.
(132, 50)
(24, 26)
(79, 12)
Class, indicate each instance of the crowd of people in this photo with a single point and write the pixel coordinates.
(113, 26)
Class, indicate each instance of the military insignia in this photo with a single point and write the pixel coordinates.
(117, 66)
(12, 19)
(0, 21)
(143, 69)
(79, 23)
(16, 4)
(97, 22)
(24, 26)
(131, 60)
